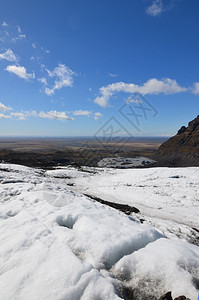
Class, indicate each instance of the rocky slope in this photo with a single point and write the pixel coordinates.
(183, 148)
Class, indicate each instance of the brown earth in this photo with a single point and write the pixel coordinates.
(50, 152)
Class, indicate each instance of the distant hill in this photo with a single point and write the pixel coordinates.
(183, 148)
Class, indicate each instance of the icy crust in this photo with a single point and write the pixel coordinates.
(57, 243)
(67, 173)
(160, 267)
(103, 240)
(169, 193)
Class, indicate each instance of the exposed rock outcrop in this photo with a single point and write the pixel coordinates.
(168, 296)
(183, 148)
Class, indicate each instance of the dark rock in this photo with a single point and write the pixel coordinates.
(122, 207)
(181, 298)
(182, 129)
(166, 296)
(184, 146)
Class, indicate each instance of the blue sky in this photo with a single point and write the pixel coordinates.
(69, 68)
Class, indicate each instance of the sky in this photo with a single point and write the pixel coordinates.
(88, 68)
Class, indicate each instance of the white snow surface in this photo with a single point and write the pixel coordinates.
(57, 243)
(169, 193)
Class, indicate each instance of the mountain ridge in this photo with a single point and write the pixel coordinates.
(184, 146)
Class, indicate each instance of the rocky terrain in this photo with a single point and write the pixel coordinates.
(183, 148)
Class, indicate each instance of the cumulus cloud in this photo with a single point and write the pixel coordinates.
(4, 108)
(81, 112)
(63, 77)
(195, 89)
(54, 115)
(9, 55)
(20, 72)
(88, 113)
(23, 115)
(19, 115)
(2, 116)
(152, 86)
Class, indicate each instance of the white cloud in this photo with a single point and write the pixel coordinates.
(32, 113)
(155, 9)
(97, 115)
(22, 36)
(2, 116)
(9, 55)
(19, 115)
(131, 99)
(43, 80)
(195, 89)
(152, 86)
(18, 29)
(63, 78)
(11, 33)
(4, 108)
(20, 72)
(81, 112)
(33, 45)
(159, 6)
(19, 37)
(35, 58)
(23, 115)
(54, 115)
(87, 113)
(113, 75)
(4, 24)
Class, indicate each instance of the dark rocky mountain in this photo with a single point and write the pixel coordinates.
(183, 148)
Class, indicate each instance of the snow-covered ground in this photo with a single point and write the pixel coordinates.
(168, 193)
(57, 243)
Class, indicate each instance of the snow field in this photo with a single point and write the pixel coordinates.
(57, 243)
(169, 193)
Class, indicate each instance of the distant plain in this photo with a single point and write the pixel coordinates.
(77, 150)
